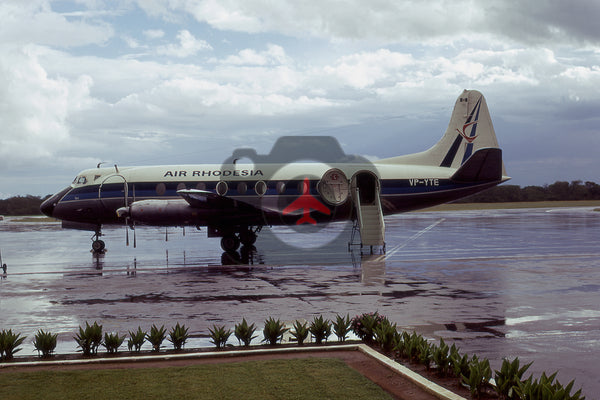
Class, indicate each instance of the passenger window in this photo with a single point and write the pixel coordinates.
(201, 186)
(260, 188)
(242, 187)
(301, 187)
(161, 188)
(181, 186)
(222, 188)
(280, 187)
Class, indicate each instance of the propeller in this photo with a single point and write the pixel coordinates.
(133, 220)
(129, 221)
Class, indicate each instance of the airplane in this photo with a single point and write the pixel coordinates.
(235, 201)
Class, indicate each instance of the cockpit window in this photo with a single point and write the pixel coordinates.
(80, 180)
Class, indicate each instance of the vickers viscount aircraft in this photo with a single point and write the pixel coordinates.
(234, 201)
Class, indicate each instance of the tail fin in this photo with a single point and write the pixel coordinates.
(469, 130)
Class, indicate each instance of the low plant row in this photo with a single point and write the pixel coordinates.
(372, 328)
(447, 361)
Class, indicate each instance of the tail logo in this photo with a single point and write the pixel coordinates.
(469, 139)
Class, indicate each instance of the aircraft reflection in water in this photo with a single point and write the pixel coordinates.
(234, 201)
(370, 267)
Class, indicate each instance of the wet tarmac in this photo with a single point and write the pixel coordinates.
(499, 283)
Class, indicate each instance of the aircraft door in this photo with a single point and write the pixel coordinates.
(114, 192)
(367, 184)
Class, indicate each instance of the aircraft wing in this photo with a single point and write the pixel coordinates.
(200, 198)
(209, 200)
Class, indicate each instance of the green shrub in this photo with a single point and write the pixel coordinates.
(273, 331)
(385, 335)
(364, 325)
(413, 345)
(459, 364)
(89, 339)
(320, 328)
(425, 353)
(546, 388)
(441, 358)
(219, 336)
(400, 342)
(341, 327)
(112, 342)
(244, 332)
(9, 343)
(178, 336)
(300, 332)
(509, 377)
(156, 337)
(136, 340)
(45, 343)
(479, 377)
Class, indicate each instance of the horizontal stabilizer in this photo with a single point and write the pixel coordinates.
(484, 165)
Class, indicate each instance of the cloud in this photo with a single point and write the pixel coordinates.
(188, 46)
(387, 69)
(154, 33)
(274, 55)
(544, 22)
(34, 21)
(36, 107)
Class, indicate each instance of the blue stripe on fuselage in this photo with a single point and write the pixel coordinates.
(148, 190)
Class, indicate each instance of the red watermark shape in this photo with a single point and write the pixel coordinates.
(306, 202)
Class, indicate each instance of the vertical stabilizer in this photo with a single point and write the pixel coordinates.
(469, 130)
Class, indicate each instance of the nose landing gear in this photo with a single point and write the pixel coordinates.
(98, 246)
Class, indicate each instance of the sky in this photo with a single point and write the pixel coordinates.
(143, 82)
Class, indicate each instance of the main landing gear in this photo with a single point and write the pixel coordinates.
(231, 240)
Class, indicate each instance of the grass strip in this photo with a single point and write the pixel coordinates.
(273, 379)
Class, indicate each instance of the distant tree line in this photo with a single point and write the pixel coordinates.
(558, 191)
(21, 205)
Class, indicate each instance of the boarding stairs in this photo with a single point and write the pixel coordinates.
(369, 221)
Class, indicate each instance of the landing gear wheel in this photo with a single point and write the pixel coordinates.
(230, 243)
(98, 246)
(248, 238)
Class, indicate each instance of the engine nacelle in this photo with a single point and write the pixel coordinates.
(176, 212)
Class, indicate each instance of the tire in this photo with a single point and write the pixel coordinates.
(98, 246)
(248, 238)
(230, 243)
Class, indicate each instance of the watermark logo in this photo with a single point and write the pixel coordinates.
(303, 190)
(306, 202)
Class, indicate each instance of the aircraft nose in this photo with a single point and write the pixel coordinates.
(48, 205)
